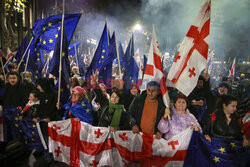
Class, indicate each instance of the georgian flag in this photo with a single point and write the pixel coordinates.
(191, 57)
(232, 70)
(80, 144)
(154, 69)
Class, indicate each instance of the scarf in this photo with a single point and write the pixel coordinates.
(117, 110)
(28, 105)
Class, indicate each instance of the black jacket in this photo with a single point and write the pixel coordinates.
(102, 117)
(136, 109)
(216, 126)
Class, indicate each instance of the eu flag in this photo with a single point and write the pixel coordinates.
(101, 52)
(145, 59)
(18, 56)
(36, 62)
(219, 152)
(129, 52)
(121, 57)
(131, 75)
(105, 70)
(54, 67)
(46, 31)
(73, 48)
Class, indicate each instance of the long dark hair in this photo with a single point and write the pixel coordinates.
(224, 99)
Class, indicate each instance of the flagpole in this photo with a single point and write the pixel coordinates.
(60, 65)
(47, 61)
(1, 59)
(76, 57)
(24, 53)
(27, 61)
(118, 57)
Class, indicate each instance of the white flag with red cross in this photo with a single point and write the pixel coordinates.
(80, 144)
(154, 69)
(232, 70)
(191, 57)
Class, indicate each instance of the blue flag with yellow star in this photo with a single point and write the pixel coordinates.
(129, 53)
(35, 62)
(18, 56)
(100, 54)
(219, 152)
(131, 75)
(73, 48)
(46, 31)
(121, 57)
(105, 70)
(54, 67)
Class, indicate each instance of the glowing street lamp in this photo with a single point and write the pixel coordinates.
(137, 27)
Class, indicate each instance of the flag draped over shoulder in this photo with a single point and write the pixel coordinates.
(154, 69)
(219, 152)
(80, 144)
(232, 69)
(100, 54)
(192, 55)
(54, 67)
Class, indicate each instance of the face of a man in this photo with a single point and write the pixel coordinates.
(152, 92)
(13, 80)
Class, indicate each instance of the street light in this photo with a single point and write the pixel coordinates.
(137, 27)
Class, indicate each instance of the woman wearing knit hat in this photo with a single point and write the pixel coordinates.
(78, 106)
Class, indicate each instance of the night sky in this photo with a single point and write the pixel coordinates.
(229, 32)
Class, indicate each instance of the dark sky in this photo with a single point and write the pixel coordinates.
(229, 32)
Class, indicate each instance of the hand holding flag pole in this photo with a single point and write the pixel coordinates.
(24, 53)
(60, 65)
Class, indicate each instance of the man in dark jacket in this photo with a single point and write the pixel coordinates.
(146, 110)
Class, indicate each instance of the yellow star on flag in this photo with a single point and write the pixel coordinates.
(50, 40)
(232, 144)
(68, 86)
(36, 77)
(34, 126)
(99, 61)
(216, 159)
(87, 110)
(56, 35)
(38, 59)
(222, 150)
(104, 68)
(44, 28)
(102, 57)
(59, 28)
(49, 24)
(103, 51)
(16, 118)
(44, 42)
(63, 54)
(37, 54)
(33, 132)
(69, 48)
(36, 71)
(132, 81)
(83, 104)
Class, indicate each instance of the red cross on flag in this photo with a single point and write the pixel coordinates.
(80, 144)
(232, 70)
(154, 69)
(191, 57)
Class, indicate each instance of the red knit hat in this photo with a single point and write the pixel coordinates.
(79, 89)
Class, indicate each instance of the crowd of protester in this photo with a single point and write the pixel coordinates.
(221, 112)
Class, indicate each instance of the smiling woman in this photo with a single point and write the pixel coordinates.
(179, 120)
